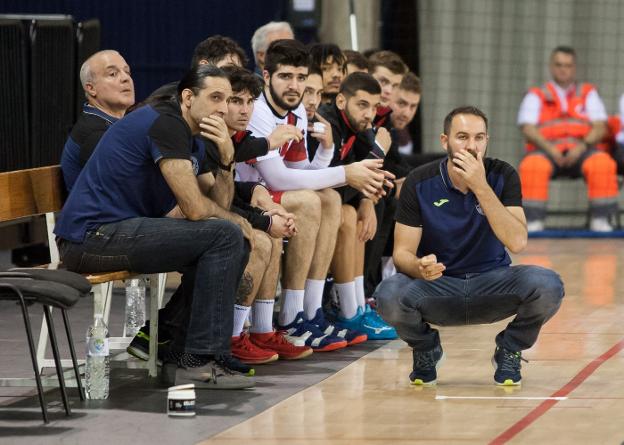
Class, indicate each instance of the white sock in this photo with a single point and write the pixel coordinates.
(292, 304)
(240, 315)
(359, 292)
(313, 297)
(346, 296)
(262, 316)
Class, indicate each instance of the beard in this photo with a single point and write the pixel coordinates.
(280, 102)
(357, 126)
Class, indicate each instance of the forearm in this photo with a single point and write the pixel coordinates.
(532, 134)
(596, 134)
(279, 177)
(322, 158)
(406, 262)
(222, 192)
(509, 229)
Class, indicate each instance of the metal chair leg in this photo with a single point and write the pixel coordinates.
(31, 348)
(72, 352)
(57, 358)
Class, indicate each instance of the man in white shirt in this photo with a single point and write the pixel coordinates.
(303, 187)
(564, 123)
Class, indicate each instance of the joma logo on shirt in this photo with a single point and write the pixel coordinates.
(440, 202)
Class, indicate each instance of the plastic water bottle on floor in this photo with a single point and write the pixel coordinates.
(135, 306)
(97, 369)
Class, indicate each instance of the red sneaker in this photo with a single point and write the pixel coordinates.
(275, 341)
(250, 353)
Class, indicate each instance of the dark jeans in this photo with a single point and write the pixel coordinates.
(532, 293)
(212, 252)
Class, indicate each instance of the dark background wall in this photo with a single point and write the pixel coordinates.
(157, 37)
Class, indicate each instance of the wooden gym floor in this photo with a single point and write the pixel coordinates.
(572, 392)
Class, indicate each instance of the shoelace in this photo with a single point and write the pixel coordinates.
(246, 344)
(373, 318)
(425, 360)
(512, 361)
(279, 339)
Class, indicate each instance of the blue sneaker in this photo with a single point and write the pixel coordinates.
(306, 332)
(425, 365)
(370, 323)
(507, 365)
(352, 337)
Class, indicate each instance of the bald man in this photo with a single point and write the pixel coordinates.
(264, 36)
(109, 90)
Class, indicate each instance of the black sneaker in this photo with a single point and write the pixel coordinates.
(424, 369)
(139, 346)
(229, 361)
(507, 365)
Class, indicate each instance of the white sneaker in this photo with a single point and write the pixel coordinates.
(600, 225)
(535, 226)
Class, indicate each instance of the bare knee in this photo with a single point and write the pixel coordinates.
(349, 219)
(263, 245)
(305, 204)
(330, 201)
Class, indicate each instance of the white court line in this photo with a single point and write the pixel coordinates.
(500, 398)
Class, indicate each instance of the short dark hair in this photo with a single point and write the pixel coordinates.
(411, 82)
(356, 58)
(389, 60)
(314, 69)
(320, 52)
(466, 109)
(285, 52)
(215, 48)
(355, 82)
(564, 49)
(242, 79)
(194, 78)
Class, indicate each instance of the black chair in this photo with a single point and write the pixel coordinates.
(50, 288)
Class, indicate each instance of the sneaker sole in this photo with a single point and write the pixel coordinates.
(508, 382)
(304, 354)
(420, 382)
(140, 354)
(357, 340)
(170, 378)
(331, 347)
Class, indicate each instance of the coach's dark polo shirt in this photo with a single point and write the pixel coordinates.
(85, 135)
(455, 228)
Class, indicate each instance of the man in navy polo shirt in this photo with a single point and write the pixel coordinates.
(145, 167)
(109, 90)
(455, 220)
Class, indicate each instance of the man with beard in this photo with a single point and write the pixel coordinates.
(454, 221)
(262, 344)
(303, 188)
(351, 116)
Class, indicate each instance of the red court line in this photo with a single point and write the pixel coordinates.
(543, 407)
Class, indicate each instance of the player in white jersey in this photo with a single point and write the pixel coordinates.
(303, 187)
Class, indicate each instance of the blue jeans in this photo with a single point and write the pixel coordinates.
(211, 253)
(532, 293)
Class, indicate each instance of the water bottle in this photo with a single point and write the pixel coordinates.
(135, 306)
(98, 361)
